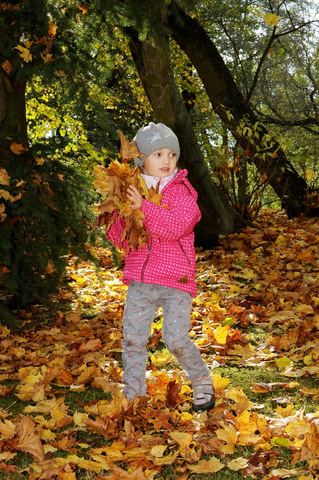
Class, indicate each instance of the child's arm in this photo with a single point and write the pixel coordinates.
(115, 232)
(170, 223)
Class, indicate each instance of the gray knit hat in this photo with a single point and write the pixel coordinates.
(154, 137)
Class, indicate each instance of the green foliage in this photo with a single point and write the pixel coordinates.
(24, 36)
(275, 66)
(83, 87)
(45, 218)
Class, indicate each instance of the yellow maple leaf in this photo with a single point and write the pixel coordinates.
(183, 439)
(160, 359)
(281, 241)
(44, 406)
(242, 403)
(271, 19)
(7, 429)
(87, 373)
(167, 460)
(79, 418)
(286, 411)
(158, 450)
(20, 183)
(228, 434)
(221, 333)
(212, 465)
(220, 383)
(60, 417)
(310, 174)
(24, 53)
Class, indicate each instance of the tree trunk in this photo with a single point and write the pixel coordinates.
(232, 108)
(13, 124)
(153, 65)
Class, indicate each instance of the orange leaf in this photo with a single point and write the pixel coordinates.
(8, 468)
(91, 346)
(6, 391)
(52, 29)
(84, 8)
(173, 390)
(7, 66)
(18, 148)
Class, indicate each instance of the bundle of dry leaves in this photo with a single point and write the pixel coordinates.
(114, 181)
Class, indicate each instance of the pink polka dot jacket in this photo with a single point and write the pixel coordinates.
(169, 258)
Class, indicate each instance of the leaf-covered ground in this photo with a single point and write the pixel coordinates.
(256, 321)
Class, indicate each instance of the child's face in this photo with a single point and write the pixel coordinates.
(160, 163)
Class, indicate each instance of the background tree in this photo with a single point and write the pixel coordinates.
(153, 64)
(69, 81)
(235, 111)
(44, 216)
(267, 48)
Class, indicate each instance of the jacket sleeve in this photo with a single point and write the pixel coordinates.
(175, 222)
(115, 232)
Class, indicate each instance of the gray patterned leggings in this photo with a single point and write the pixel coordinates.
(142, 301)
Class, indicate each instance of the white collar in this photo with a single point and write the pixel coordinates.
(161, 181)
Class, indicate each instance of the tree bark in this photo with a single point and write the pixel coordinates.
(154, 68)
(13, 124)
(232, 108)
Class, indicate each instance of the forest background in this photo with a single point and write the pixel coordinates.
(237, 81)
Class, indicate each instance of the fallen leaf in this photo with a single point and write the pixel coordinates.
(28, 439)
(213, 465)
(237, 464)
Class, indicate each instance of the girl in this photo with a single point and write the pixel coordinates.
(162, 273)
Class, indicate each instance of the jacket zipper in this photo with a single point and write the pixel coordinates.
(182, 248)
(146, 260)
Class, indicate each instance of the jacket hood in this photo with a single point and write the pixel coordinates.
(180, 177)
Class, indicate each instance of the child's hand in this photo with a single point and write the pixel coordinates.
(135, 197)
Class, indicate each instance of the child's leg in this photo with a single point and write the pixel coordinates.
(139, 312)
(176, 306)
